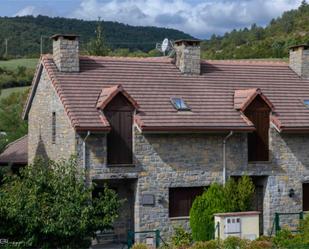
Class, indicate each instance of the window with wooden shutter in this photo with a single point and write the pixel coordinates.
(181, 200)
(305, 196)
(258, 141)
(119, 113)
(54, 127)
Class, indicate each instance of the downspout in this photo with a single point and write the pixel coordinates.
(84, 149)
(87, 178)
(224, 157)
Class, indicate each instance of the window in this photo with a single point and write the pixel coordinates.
(258, 141)
(53, 127)
(306, 102)
(181, 199)
(180, 104)
(305, 196)
(119, 113)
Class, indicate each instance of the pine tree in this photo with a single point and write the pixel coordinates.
(98, 46)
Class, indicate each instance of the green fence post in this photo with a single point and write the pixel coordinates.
(130, 239)
(301, 215)
(277, 222)
(218, 227)
(157, 232)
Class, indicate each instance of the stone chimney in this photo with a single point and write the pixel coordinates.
(66, 52)
(299, 60)
(188, 56)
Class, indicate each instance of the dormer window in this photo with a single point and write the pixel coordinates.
(306, 102)
(180, 104)
(118, 107)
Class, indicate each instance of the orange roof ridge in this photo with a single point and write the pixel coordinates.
(247, 62)
(243, 98)
(108, 93)
(123, 58)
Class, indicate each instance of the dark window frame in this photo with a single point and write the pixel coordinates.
(54, 127)
(179, 104)
(181, 200)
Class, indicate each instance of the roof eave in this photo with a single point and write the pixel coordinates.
(304, 129)
(205, 129)
(32, 92)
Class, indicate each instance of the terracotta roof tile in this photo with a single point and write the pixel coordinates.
(243, 98)
(152, 81)
(108, 93)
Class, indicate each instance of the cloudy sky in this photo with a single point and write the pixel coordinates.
(196, 17)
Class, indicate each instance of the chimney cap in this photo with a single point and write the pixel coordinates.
(304, 46)
(65, 36)
(188, 42)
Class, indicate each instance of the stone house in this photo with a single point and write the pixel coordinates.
(160, 130)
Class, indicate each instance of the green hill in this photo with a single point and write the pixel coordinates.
(272, 41)
(24, 34)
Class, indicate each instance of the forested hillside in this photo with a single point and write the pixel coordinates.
(24, 34)
(258, 42)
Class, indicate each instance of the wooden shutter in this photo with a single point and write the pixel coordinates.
(181, 200)
(258, 141)
(119, 113)
(305, 196)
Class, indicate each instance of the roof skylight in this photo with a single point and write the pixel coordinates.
(180, 104)
(306, 102)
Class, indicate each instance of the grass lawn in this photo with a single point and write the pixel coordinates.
(13, 64)
(8, 91)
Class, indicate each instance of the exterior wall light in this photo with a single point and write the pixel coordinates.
(291, 192)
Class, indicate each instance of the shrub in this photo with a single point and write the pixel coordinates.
(233, 197)
(260, 244)
(139, 246)
(181, 238)
(235, 243)
(211, 244)
(201, 214)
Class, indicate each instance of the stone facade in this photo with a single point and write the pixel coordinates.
(299, 61)
(66, 53)
(162, 161)
(185, 160)
(45, 102)
(188, 58)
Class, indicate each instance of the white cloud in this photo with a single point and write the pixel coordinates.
(27, 11)
(32, 10)
(200, 18)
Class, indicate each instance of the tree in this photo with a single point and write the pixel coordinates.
(98, 46)
(235, 196)
(48, 206)
(11, 122)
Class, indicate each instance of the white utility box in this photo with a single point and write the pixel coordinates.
(239, 224)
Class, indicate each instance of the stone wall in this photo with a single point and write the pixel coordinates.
(66, 54)
(45, 102)
(188, 58)
(299, 61)
(179, 160)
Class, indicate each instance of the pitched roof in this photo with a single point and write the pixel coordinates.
(152, 81)
(243, 98)
(108, 93)
(15, 152)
